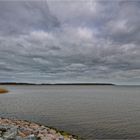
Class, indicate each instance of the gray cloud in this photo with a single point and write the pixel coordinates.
(73, 41)
(23, 16)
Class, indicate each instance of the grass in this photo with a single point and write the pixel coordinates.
(66, 134)
(2, 91)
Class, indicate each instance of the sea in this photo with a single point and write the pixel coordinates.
(88, 111)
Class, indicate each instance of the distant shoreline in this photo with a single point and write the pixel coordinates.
(98, 84)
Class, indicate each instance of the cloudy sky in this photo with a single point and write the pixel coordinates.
(49, 41)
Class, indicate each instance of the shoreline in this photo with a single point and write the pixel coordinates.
(90, 84)
(26, 129)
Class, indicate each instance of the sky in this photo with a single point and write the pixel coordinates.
(69, 41)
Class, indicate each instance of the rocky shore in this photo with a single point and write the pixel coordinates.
(19, 129)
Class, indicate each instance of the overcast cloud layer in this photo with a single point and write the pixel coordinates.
(70, 41)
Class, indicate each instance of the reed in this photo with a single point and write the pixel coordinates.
(2, 91)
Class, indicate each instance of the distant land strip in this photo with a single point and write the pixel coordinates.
(14, 83)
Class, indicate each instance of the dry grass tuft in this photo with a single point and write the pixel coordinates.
(2, 91)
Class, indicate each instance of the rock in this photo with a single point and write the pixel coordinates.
(52, 131)
(21, 134)
(61, 138)
(40, 135)
(32, 130)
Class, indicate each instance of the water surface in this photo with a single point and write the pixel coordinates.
(92, 112)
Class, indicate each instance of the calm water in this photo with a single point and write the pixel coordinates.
(109, 112)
